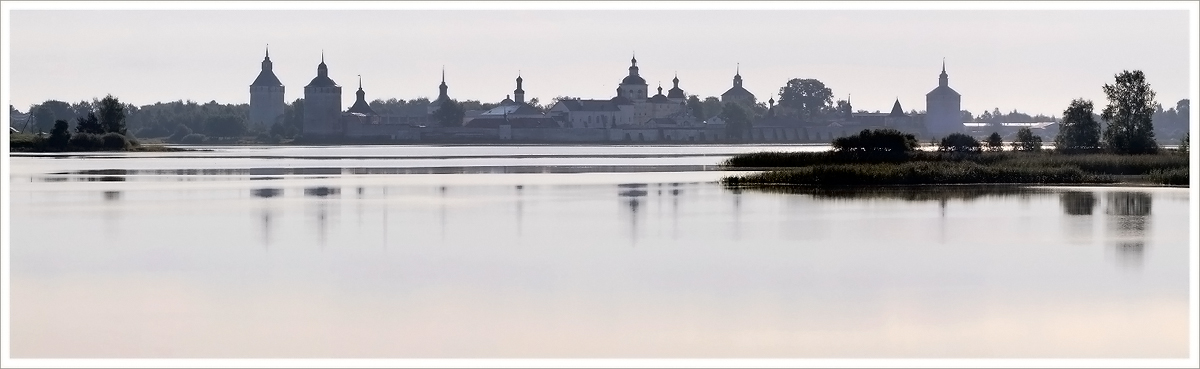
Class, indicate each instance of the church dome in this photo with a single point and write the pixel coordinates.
(633, 80)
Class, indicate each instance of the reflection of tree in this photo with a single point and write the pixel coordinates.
(906, 193)
(633, 192)
(1128, 203)
(1128, 218)
(1077, 203)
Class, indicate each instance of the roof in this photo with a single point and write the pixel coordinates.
(622, 100)
(590, 105)
(662, 122)
(494, 122)
(320, 81)
(943, 90)
(736, 91)
(266, 78)
(675, 93)
(633, 80)
(660, 99)
(897, 111)
(511, 109)
(361, 106)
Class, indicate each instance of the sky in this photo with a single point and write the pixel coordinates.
(1035, 61)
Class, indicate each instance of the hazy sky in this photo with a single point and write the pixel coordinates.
(1035, 61)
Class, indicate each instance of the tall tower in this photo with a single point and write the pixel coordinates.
(943, 107)
(360, 101)
(676, 93)
(266, 96)
(442, 96)
(633, 87)
(519, 93)
(322, 104)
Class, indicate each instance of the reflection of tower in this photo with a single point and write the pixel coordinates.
(442, 211)
(266, 227)
(1128, 218)
(634, 192)
(520, 209)
(737, 213)
(322, 213)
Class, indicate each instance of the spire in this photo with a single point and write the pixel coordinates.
(269, 52)
(443, 74)
(676, 80)
(519, 93)
(737, 77)
(360, 82)
(660, 88)
(633, 61)
(322, 70)
(266, 63)
(442, 87)
(943, 79)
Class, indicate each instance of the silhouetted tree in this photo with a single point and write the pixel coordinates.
(1185, 145)
(44, 119)
(696, 108)
(809, 97)
(1129, 115)
(226, 126)
(994, 142)
(712, 106)
(60, 134)
(736, 120)
(449, 114)
(877, 141)
(1027, 141)
(1078, 131)
(112, 115)
(959, 142)
(89, 124)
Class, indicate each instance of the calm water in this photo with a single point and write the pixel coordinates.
(588, 252)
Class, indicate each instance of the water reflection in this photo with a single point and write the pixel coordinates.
(266, 192)
(632, 194)
(1078, 207)
(322, 191)
(906, 193)
(1128, 218)
(1077, 203)
(112, 195)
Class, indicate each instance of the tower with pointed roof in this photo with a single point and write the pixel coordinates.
(519, 93)
(737, 93)
(360, 101)
(266, 96)
(322, 104)
(676, 93)
(943, 108)
(442, 96)
(633, 86)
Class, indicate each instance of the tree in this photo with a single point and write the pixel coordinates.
(89, 125)
(959, 142)
(449, 114)
(994, 142)
(1027, 141)
(736, 120)
(1185, 145)
(1078, 131)
(876, 141)
(1129, 114)
(808, 96)
(44, 118)
(112, 115)
(712, 107)
(226, 126)
(696, 107)
(60, 134)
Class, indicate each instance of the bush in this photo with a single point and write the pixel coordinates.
(18, 141)
(1171, 177)
(85, 141)
(1185, 144)
(60, 135)
(194, 138)
(959, 142)
(114, 141)
(917, 173)
(1027, 141)
(876, 141)
(994, 142)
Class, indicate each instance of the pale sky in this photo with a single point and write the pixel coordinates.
(1034, 61)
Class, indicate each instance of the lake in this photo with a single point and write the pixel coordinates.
(573, 252)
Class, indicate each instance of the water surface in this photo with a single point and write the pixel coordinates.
(573, 252)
